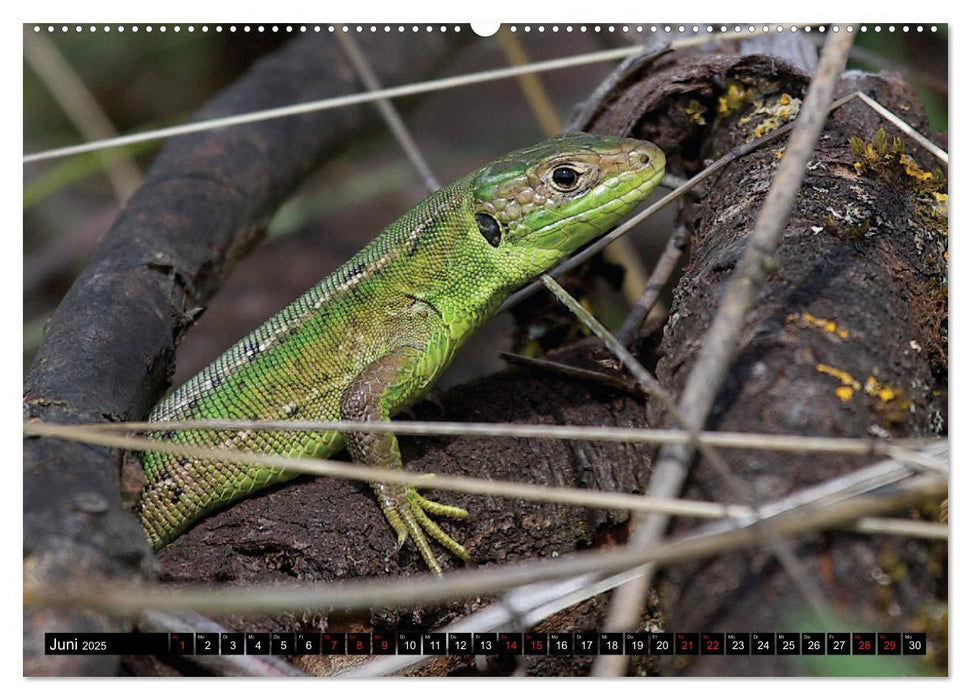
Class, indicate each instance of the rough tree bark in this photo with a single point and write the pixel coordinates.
(826, 315)
(848, 337)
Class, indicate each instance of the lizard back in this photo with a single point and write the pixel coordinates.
(297, 364)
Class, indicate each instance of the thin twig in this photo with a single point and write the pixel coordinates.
(901, 527)
(856, 483)
(346, 100)
(335, 102)
(572, 371)
(640, 373)
(902, 449)
(427, 589)
(720, 342)
(346, 470)
(529, 83)
(663, 271)
(81, 107)
(388, 112)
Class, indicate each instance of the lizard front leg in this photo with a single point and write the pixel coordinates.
(370, 397)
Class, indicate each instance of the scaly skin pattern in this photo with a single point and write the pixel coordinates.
(368, 340)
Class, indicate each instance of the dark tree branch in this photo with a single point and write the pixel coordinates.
(847, 337)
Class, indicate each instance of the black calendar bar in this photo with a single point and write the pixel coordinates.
(856, 644)
(94, 643)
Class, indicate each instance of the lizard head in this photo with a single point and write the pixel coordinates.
(537, 205)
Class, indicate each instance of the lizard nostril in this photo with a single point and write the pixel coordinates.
(638, 158)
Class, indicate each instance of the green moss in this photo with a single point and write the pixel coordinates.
(887, 158)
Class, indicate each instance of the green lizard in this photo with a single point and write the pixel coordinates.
(365, 342)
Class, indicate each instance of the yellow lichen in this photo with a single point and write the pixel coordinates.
(912, 169)
(808, 320)
(777, 112)
(884, 392)
(892, 406)
(845, 377)
(733, 98)
(844, 393)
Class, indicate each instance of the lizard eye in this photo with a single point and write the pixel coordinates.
(489, 228)
(565, 179)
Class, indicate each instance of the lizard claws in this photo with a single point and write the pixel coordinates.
(408, 514)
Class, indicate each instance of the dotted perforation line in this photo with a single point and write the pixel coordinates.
(740, 29)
